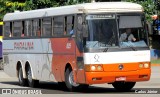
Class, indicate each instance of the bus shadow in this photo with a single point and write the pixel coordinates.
(10, 83)
(51, 87)
(55, 88)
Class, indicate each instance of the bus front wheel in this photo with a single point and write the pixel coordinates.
(123, 86)
(70, 83)
(31, 82)
(22, 81)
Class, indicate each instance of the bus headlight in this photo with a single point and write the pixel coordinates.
(146, 65)
(140, 65)
(93, 68)
(99, 68)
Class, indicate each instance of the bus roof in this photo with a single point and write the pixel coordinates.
(97, 7)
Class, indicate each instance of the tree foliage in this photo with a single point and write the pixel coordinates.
(148, 5)
(7, 6)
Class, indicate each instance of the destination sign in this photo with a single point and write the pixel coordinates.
(100, 17)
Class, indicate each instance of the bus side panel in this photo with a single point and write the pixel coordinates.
(44, 61)
(10, 65)
(63, 53)
(37, 52)
(9, 59)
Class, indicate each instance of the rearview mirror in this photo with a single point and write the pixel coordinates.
(85, 30)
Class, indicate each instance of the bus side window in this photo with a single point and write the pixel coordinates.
(36, 29)
(7, 29)
(52, 26)
(28, 28)
(65, 26)
(46, 25)
(70, 25)
(79, 33)
(58, 27)
(17, 28)
(22, 35)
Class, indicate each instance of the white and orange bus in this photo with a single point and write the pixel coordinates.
(78, 45)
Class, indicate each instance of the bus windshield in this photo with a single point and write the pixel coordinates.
(109, 31)
(132, 32)
(102, 31)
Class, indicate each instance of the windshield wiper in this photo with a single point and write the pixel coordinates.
(106, 49)
(110, 42)
(95, 44)
(130, 46)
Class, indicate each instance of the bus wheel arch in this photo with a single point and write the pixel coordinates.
(68, 65)
(20, 74)
(29, 74)
(18, 66)
(69, 80)
(27, 65)
(67, 73)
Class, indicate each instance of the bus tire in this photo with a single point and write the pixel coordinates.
(22, 81)
(69, 81)
(31, 82)
(123, 86)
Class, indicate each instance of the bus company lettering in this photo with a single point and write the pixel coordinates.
(23, 45)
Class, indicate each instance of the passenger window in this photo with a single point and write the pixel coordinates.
(70, 25)
(28, 28)
(58, 26)
(36, 28)
(47, 29)
(22, 35)
(17, 29)
(7, 29)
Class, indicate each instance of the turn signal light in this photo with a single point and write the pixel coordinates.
(94, 67)
(144, 65)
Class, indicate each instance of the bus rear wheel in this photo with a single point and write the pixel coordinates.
(31, 82)
(22, 81)
(69, 81)
(123, 86)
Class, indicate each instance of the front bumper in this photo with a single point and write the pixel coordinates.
(110, 77)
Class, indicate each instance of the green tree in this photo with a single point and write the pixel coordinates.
(7, 6)
(148, 5)
(38, 4)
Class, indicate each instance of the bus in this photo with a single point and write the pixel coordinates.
(78, 45)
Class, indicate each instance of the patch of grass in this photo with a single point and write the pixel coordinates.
(155, 61)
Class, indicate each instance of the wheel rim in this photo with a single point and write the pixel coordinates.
(71, 80)
(29, 74)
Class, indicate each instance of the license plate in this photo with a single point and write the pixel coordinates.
(121, 79)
